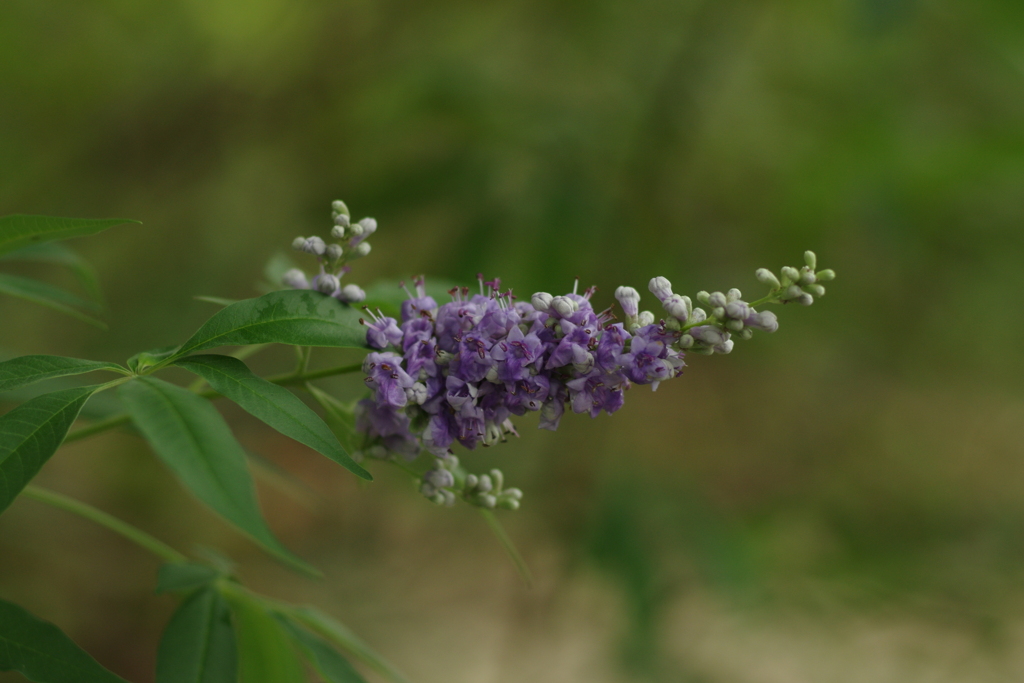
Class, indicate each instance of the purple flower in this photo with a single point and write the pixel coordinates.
(387, 378)
(596, 393)
(416, 306)
(646, 361)
(382, 331)
(515, 354)
(380, 421)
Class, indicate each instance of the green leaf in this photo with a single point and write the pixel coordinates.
(59, 254)
(219, 301)
(186, 576)
(340, 417)
(20, 230)
(198, 645)
(273, 404)
(26, 370)
(30, 433)
(191, 437)
(298, 317)
(329, 628)
(332, 666)
(43, 653)
(49, 296)
(144, 360)
(265, 651)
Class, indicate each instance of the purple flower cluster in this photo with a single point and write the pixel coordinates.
(459, 371)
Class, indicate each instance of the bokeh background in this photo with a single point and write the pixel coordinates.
(841, 501)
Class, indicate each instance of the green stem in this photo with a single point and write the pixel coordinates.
(287, 379)
(509, 546)
(711, 320)
(137, 536)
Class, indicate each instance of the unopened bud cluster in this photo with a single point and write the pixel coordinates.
(446, 481)
(334, 258)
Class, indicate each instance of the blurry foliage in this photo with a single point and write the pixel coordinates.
(870, 451)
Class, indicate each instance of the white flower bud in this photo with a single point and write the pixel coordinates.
(645, 318)
(811, 259)
(702, 297)
(338, 206)
(338, 232)
(629, 299)
(485, 484)
(314, 245)
(807, 276)
(487, 501)
(660, 287)
(295, 279)
(675, 306)
(326, 283)
(299, 243)
(508, 503)
(685, 342)
(334, 252)
(585, 365)
(746, 333)
(352, 294)
(717, 300)
(498, 478)
(492, 375)
(718, 313)
(369, 226)
(733, 295)
(341, 220)
(515, 494)
(417, 394)
(767, 277)
(492, 435)
(698, 316)
(826, 275)
(816, 290)
(361, 249)
(738, 310)
(541, 301)
(563, 306)
(734, 325)
(725, 347)
(805, 299)
(793, 292)
(791, 274)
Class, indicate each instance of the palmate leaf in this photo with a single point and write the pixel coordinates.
(198, 645)
(25, 370)
(43, 653)
(275, 405)
(298, 317)
(19, 230)
(49, 296)
(326, 660)
(191, 437)
(266, 653)
(59, 254)
(31, 433)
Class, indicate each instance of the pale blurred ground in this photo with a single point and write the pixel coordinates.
(842, 501)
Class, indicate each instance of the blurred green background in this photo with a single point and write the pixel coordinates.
(841, 501)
